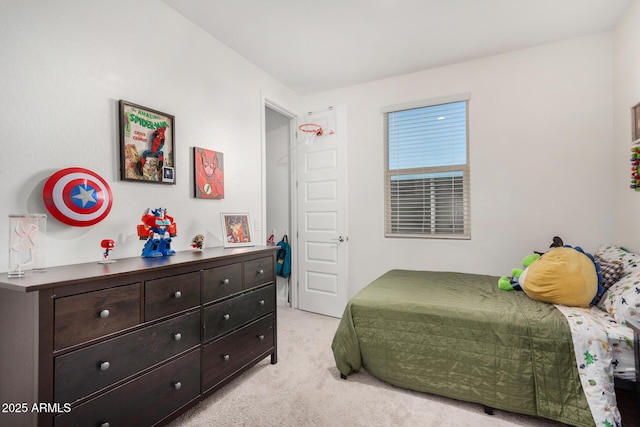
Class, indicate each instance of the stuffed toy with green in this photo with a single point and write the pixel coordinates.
(513, 283)
(563, 275)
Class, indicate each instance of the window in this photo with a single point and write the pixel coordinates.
(427, 170)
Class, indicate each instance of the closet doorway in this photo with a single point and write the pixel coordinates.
(279, 125)
(305, 186)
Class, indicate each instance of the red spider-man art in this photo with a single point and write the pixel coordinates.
(155, 152)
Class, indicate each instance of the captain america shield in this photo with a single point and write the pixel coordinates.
(77, 197)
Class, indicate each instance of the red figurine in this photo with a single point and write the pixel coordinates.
(107, 245)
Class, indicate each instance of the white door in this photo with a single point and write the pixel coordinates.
(322, 247)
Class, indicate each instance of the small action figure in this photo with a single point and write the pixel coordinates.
(197, 242)
(157, 228)
(107, 245)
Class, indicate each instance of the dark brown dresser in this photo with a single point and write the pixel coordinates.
(135, 342)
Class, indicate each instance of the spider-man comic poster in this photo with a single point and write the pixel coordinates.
(209, 174)
(146, 144)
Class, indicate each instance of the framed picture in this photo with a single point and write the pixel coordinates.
(147, 145)
(236, 229)
(209, 174)
(635, 127)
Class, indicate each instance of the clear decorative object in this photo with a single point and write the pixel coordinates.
(27, 237)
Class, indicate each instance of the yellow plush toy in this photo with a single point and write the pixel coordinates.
(563, 275)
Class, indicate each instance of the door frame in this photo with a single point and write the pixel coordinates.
(267, 102)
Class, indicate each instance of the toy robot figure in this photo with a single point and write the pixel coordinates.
(157, 228)
(197, 242)
(107, 245)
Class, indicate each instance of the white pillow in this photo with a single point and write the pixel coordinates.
(622, 300)
(629, 260)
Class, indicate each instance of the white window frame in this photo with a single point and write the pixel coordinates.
(431, 231)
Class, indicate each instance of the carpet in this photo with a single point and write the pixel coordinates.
(305, 389)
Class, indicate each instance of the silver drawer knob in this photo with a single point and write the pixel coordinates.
(225, 282)
(105, 424)
(261, 337)
(177, 336)
(225, 357)
(104, 366)
(261, 271)
(177, 385)
(226, 317)
(177, 294)
(261, 302)
(104, 314)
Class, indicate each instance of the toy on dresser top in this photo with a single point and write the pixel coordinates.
(157, 228)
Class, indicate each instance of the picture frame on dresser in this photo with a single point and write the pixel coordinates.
(147, 144)
(236, 229)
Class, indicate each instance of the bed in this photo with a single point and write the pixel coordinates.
(459, 336)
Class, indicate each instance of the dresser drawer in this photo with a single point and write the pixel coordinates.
(222, 281)
(79, 318)
(82, 372)
(225, 356)
(258, 272)
(143, 401)
(171, 294)
(235, 312)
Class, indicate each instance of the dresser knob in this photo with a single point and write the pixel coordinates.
(226, 357)
(261, 271)
(261, 302)
(104, 314)
(177, 336)
(104, 366)
(177, 385)
(226, 317)
(104, 424)
(177, 294)
(225, 282)
(261, 337)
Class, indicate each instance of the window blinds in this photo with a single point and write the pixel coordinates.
(427, 172)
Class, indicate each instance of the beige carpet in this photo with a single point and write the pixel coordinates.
(304, 389)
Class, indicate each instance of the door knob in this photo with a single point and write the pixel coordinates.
(340, 239)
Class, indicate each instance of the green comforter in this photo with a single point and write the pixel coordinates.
(458, 335)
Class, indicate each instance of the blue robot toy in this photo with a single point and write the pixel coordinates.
(157, 228)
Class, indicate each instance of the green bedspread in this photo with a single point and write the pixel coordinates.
(458, 335)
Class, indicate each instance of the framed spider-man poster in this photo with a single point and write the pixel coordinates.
(147, 144)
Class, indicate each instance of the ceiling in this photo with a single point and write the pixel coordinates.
(313, 46)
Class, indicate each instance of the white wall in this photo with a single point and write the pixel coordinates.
(541, 126)
(626, 61)
(541, 156)
(66, 63)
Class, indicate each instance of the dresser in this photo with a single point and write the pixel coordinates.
(135, 342)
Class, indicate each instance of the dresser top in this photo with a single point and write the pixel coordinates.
(68, 274)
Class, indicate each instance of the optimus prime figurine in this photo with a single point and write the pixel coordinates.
(157, 228)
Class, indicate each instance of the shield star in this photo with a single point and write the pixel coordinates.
(85, 196)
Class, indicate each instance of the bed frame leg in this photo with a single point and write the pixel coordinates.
(343, 376)
(488, 410)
